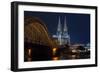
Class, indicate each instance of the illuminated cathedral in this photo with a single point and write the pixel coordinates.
(62, 37)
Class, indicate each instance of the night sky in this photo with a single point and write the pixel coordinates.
(78, 24)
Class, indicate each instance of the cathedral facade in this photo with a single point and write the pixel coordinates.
(62, 37)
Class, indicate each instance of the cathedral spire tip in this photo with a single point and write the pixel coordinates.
(65, 24)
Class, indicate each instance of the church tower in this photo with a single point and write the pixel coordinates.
(62, 36)
(59, 32)
(65, 35)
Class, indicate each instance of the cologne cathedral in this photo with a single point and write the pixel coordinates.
(62, 36)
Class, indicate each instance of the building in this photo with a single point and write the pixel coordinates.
(62, 37)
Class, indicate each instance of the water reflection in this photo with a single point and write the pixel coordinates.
(45, 53)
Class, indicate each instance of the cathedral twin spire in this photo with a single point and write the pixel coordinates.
(65, 25)
(59, 29)
(62, 36)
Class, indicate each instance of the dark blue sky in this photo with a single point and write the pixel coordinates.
(78, 24)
